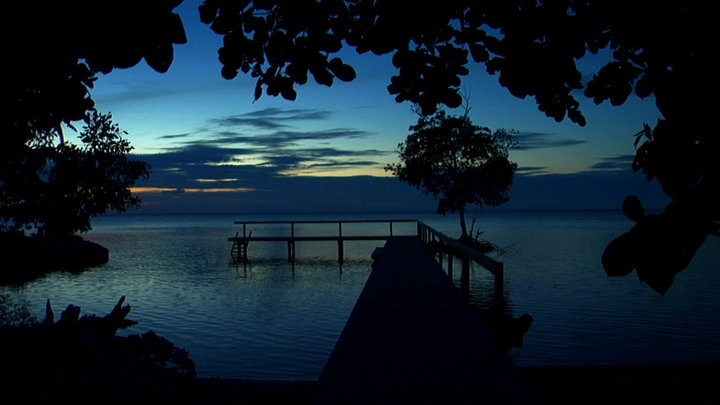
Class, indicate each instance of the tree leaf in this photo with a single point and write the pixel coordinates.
(342, 71)
(287, 91)
(160, 58)
(322, 76)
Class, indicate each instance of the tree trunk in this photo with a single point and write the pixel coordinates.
(463, 225)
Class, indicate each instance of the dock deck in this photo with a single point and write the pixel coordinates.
(411, 339)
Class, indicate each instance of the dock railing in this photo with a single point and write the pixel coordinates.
(454, 248)
(438, 242)
(291, 232)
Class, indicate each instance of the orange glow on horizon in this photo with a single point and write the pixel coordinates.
(159, 190)
(349, 171)
(216, 180)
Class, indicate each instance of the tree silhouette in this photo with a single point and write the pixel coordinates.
(57, 48)
(72, 183)
(53, 51)
(458, 162)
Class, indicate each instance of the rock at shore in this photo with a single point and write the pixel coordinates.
(73, 253)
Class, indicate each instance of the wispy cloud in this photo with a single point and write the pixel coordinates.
(196, 165)
(540, 140)
(613, 163)
(336, 163)
(133, 91)
(212, 168)
(270, 118)
(195, 154)
(175, 136)
(248, 151)
(315, 153)
(328, 158)
(532, 170)
(282, 139)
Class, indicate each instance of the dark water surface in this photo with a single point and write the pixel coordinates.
(272, 321)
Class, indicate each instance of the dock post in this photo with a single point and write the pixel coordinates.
(291, 244)
(291, 251)
(235, 250)
(499, 281)
(246, 242)
(341, 245)
(341, 251)
(465, 278)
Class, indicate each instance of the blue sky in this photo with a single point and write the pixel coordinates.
(212, 148)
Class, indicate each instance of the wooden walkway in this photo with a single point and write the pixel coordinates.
(411, 340)
(239, 249)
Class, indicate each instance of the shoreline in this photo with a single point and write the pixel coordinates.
(24, 259)
(682, 383)
(679, 383)
(685, 383)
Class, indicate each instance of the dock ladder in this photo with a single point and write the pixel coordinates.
(238, 251)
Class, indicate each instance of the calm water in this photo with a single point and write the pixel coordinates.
(272, 321)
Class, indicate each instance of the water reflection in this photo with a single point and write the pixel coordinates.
(267, 321)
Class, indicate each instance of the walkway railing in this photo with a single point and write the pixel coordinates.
(291, 232)
(443, 244)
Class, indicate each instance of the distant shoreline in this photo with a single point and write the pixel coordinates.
(380, 214)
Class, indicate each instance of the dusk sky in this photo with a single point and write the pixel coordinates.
(212, 149)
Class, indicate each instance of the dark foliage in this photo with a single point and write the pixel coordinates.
(532, 46)
(53, 51)
(83, 346)
(657, 247)
(13, 313)
(64, 185)
(457, 162)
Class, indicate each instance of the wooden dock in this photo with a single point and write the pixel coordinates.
(441, 245)
(410, 339)
(241, 242)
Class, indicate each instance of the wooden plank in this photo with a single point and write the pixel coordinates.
(411, 339)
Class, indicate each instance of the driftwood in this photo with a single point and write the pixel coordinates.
(103, 327)
(87, 344)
